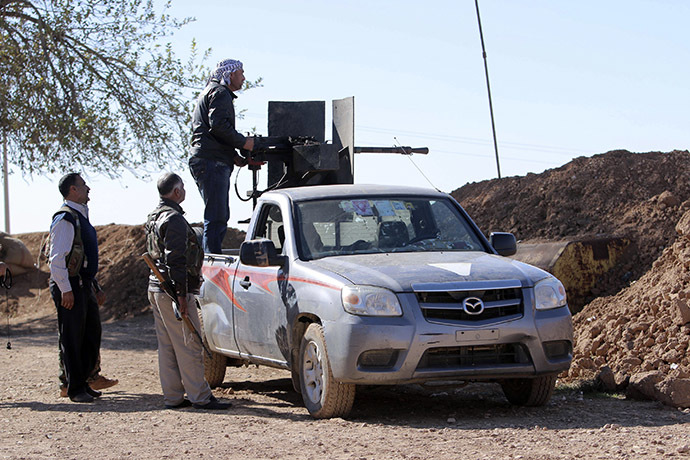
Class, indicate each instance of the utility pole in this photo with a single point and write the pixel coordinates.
(488, 87)
(6, 184)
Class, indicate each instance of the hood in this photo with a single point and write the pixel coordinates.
(415, 271)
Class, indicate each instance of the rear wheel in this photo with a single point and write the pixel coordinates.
(214, 367)
(529, 392)
(323, 396)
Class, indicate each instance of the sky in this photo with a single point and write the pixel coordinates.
(568, 79)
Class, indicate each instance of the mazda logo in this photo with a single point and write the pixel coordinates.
(473, 306)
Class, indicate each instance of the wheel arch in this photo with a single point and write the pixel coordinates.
(299, 326)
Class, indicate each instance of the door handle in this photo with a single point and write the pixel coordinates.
(245, 283)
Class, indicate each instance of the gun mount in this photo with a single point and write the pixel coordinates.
(297, 153)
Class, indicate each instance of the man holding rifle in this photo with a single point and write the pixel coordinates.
(174, 247)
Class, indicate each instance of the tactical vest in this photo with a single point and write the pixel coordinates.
(194, 254)
(75, 259)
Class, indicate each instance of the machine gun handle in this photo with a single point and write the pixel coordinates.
(252, 164)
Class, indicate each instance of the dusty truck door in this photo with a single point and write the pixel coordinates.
(261, 320)
(217, 301)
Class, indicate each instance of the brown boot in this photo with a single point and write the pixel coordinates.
(63, 390)
(99, 382)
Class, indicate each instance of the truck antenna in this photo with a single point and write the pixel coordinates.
(409, 156)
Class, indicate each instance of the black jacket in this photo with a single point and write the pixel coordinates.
(175, 248)
(213, 125)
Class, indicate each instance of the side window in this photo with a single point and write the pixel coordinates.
(271, 226)
(446, 220)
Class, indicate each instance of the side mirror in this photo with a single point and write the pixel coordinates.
(260, 253)
(503, 243)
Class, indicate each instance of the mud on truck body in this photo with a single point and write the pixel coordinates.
(348, 285)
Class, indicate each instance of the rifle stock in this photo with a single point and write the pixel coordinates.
(165, 284)
(167, 287)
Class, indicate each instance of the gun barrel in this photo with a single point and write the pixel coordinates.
(403, 150)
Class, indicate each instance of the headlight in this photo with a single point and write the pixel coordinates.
(549, 293)
(370, 301)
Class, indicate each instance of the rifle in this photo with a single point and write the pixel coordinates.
(167, 287)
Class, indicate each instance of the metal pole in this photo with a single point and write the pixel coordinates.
(5, 179)
(488, 88)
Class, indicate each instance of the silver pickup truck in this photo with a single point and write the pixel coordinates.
(377, 285)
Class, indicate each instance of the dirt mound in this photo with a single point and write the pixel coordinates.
(639, 340)
(122, 274)
(638, 196)
(636, 340)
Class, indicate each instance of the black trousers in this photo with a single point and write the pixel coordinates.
(79, 331)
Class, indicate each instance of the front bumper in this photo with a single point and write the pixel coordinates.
(408, 349)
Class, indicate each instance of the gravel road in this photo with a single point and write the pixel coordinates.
(267, 420)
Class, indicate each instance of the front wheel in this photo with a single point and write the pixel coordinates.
(529, 392)
(323, 396)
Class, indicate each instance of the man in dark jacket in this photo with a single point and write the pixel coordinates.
(174, 246)
(213, 148)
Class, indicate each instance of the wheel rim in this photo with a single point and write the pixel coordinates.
(312, 372)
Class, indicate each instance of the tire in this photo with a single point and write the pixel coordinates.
(529, 392)
(214, 367)
(323, 396)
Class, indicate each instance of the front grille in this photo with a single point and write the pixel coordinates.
(474, 355)
(447, 306)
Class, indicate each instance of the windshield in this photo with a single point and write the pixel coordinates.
(390, 224)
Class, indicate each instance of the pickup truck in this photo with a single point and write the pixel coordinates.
(348, 285)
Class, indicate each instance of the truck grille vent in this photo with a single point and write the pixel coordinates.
(448, 306)
(473, 356)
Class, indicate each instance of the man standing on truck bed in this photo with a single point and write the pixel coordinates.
(213, 148)
(174, 246)
(73, 262)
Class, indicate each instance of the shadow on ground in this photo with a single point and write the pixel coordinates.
(475, 406)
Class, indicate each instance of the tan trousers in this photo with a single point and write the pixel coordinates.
(180, 359)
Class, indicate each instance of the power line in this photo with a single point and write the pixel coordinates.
(473, 141)
(482, 156)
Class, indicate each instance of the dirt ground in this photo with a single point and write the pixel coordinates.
(636, 324)
(268, 421)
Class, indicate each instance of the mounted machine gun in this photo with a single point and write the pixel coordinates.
(296, 151)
